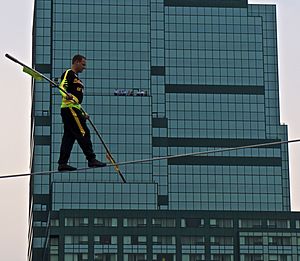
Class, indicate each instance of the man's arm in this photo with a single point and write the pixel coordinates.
(67, 81)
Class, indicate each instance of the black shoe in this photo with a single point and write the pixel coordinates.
(65, 167)
(96, 163)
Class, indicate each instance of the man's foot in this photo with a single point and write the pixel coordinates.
(65, 167)
(96, 163)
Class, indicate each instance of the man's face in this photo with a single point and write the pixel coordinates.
(80, 65)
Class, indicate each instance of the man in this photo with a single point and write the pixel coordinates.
(74, 118)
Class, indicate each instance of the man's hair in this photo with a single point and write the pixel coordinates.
(77, 57)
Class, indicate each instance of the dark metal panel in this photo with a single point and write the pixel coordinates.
(158, 70)
(159, 123)
(208, 3)
(214, 89)
(202, 142)
(234, 161)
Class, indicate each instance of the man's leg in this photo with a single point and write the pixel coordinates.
(68, 140)
(83, 137)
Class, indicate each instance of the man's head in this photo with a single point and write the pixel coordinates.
(78, 63)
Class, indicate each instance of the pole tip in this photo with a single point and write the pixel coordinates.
(8, 56)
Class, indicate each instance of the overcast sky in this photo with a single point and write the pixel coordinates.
(16, 31)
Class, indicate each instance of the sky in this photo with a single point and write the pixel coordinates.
(16, 32)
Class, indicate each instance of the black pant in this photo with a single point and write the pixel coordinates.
(75, 128)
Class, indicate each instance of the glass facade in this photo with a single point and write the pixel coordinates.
(163, 78)
(174, 235)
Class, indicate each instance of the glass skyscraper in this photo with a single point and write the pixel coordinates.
(164, 77)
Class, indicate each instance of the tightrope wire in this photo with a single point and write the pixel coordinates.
(156, 158)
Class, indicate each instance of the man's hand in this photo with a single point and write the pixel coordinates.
(69, 96)
(86, 116)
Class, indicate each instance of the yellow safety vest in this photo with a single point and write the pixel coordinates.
(65, 103)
